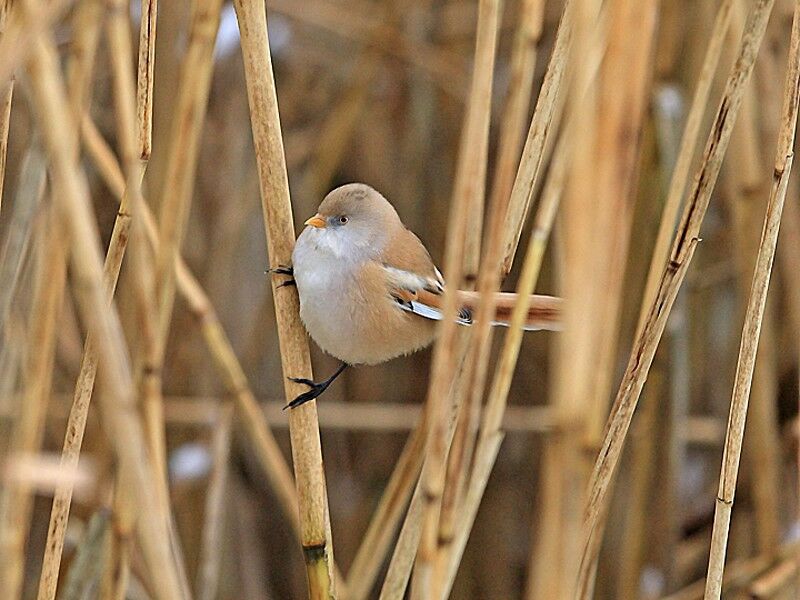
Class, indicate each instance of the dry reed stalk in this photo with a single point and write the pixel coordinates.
(461, 263)
(518, 98)
(85, 569)
(375, 542)
(754, 315)
(176, 198)
(459, 459)
(144, 77)
(533, 151)
(230, 370)
(86, 22)
(739, 573)
(680, 173)
(30, 189)
(16, 503)
(683, 248)
(121, 55)
(562, 476)
(24, 21)
(295, 358)
(407, 546)
(6, 95)
(211, 551)
(748, 187)
(377, 417)
(520, 87)
(118, 414)
(622, 101)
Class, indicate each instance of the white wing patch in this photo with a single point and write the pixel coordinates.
(413, 282)
(429, 312)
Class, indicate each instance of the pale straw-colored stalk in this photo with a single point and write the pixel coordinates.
(315, 530)
(117, 400)
(675, 269)
(754, 315)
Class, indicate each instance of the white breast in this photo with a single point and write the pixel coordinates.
(322, 282)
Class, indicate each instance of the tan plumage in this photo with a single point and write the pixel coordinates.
(369, 290)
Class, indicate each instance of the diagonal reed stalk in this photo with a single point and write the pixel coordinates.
(315, 529)
(121, 54)
(754, 315)
(401, 484)
(176, 198)
(230, 370)
(118, 400)
(461, 261)
(534, 149)
(674, 272)
(16, 503)
(680, 173)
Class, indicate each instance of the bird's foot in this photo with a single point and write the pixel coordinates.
(284, 270)
(314, 392)
(315, 389)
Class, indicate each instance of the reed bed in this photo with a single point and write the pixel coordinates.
(631, 156)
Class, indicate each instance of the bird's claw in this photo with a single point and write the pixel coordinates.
(281, 270)
(313, 393)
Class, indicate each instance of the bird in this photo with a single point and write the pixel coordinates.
(369, 290)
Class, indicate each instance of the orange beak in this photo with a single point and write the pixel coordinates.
(316, 221)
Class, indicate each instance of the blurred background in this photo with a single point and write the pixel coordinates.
(375, 91)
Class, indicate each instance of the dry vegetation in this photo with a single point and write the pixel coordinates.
(633, 156)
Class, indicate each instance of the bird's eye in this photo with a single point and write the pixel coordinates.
(343, 219)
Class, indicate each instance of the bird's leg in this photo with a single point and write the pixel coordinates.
(284, 270)
(316, 388)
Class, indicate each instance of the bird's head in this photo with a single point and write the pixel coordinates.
(353, 221)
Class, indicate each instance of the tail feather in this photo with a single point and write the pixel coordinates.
(544, 311)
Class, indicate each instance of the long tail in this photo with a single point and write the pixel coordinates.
(544, 312)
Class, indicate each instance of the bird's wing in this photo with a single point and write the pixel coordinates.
(418, 287)
(414, 281)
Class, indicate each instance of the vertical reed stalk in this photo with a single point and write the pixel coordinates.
(144, 78)
(754, 315)
(295, 359)
(460, 455)
(176, 196)
(211, 550)
(6, 95)
(622, 100)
